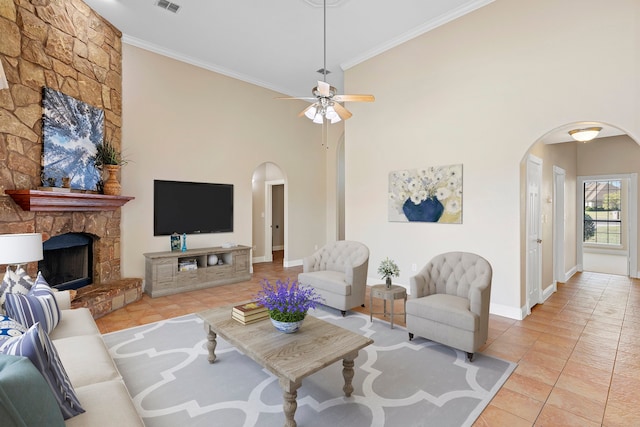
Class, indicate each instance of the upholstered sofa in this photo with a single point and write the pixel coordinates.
(449, 301)
(338, 272)
(96, 381)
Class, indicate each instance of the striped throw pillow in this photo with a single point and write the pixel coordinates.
(36, 345)
(38, 305)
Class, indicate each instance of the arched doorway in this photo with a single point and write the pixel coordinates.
(561, 215)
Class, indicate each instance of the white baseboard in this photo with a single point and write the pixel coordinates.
(506, 311)
(258, 259)
(549, 290)
(292, 263)
(569, 274)
(277, 248)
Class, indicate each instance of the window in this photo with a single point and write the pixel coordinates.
(603, 212)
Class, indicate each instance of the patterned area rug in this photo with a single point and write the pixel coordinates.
(397, 382)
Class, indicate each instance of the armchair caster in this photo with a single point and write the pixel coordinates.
(470, 356)
(344, 313)
(410, 336)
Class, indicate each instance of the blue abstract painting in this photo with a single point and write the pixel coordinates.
(72, 129)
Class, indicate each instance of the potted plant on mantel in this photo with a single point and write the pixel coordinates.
(109, 159)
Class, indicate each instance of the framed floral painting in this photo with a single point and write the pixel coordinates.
(432, 194)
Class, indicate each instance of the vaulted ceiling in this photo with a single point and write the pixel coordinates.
(277, 44)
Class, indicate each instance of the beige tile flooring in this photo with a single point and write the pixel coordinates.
(577, 354)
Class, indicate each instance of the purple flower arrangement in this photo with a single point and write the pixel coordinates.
(287, 301)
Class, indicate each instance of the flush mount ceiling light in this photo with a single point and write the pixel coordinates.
(586, 134)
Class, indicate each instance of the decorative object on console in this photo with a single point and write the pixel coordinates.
(184, 242)
(387, 270)
(213, 259)
(175, 242)
(432, 194)
(288, 303)
(72, 129)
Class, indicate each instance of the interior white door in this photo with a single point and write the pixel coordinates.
(534, 232)
(559, 175)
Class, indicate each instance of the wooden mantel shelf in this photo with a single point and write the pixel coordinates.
(39, 200)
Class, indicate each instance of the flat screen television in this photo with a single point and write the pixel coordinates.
(191, 207)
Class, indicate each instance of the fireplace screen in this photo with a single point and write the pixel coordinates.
(67, 262)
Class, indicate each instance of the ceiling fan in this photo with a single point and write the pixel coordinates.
(326, 107)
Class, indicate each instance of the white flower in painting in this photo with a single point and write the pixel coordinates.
(453, 183)
(418, 185)
(453, 206)
(413, 185)
(443, 193)
(455, 171)
(415, 198)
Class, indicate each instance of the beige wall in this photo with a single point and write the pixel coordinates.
(185, 123)
(481, 91)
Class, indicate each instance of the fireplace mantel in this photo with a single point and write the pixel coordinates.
(52, 201)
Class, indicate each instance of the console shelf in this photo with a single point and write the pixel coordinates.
(165, 276)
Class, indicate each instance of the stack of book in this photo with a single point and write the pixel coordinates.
(249, 313)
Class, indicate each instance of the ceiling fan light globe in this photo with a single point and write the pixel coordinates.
(318, 119)
(311, 112)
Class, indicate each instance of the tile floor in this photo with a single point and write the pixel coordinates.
(577, 354)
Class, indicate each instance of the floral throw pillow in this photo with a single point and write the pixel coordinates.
(10, 328)
(14, 282)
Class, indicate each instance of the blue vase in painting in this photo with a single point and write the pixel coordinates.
(429, 210)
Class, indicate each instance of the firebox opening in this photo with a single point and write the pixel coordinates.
(68, 261)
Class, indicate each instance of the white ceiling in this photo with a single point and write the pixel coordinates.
(278, 44)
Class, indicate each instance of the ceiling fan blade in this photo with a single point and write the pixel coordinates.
(354, 98)
(342, 112)
(324, 88)
(303, 98)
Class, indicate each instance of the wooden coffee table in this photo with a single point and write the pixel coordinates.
(290, 357)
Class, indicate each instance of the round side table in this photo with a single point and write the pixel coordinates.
(388, 294)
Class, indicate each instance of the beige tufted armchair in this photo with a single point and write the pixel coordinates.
(449, 301)
(338, 272)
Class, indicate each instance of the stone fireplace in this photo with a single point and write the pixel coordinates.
(68, 47)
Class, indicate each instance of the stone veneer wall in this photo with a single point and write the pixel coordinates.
(64, 45)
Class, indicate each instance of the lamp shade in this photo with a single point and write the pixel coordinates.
(584, 135)
(20, 248)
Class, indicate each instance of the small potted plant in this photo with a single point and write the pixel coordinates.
(387, 270)
(287, 302)
(108, 158)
